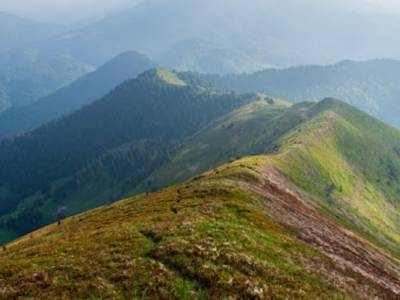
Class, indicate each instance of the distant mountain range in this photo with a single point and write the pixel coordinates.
(17, 32)
(27, 73)
(81, 92)
(204, 56)
(267, 33)
(370, 85)
(373, 86)
(208, 43)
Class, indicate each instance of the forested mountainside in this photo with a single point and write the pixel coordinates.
(311, 219)
(82, 160)
(81, 92)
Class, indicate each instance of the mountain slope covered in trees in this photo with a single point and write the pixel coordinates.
(310, 219)
(88, 157)
(82, 92)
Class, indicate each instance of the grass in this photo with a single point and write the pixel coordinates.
(204, 239)
(170, 77)
(333, 159)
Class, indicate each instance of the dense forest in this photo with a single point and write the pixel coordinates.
(130, 131)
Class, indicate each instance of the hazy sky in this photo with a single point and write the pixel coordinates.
(66, 11)
(386, 6)
(282, 32)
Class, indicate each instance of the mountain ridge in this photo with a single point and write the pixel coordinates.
(369, 85)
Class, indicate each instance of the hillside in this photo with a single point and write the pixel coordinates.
(82, 92)
(311, 219)
(372, 86)
(92, 156)
(326, 149)
(249, 130)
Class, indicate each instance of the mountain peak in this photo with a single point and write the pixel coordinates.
(333, 105)
(128, 60)
(331, 102)
(129, 55)
(163, 75)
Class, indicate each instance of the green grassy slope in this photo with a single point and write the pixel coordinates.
(202, 240)
(347, 161)
(210, 238)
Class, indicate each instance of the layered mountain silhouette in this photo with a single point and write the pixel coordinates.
(27, 75)
(82, 92)
(17, 32)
